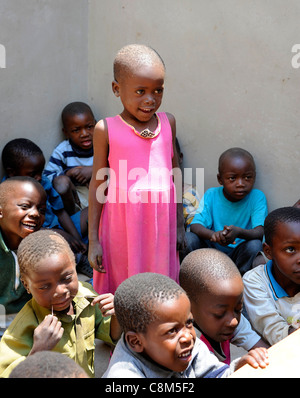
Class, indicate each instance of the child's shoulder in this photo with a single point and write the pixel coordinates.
(86, 289)
(256, 274)
(62, 146)
(24, 320)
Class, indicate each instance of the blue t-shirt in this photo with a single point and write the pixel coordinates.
(215, 211)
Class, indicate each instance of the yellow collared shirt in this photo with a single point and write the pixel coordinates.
(77, 342)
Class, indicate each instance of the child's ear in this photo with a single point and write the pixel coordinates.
(219, 179)
(267, 251)
(115, 88)
(25, 284)
(134, 341)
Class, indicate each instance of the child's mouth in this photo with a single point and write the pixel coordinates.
(30, 226)
(87, 143)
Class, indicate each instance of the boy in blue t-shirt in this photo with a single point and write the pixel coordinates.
(230, 218)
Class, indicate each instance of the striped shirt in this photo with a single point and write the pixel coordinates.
(66, 156)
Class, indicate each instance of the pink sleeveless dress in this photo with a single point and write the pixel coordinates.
(138, 224)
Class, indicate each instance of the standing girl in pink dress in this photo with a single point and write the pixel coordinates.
(136, 224)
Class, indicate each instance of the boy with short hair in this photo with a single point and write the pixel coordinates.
(215, 288)
(22, 211)
(272, 290)
(230, 217)
(158, 338)
(62, 315)
(22, 157)
(70, 165)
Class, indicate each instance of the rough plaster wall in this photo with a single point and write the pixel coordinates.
(46, 67)
(229, 82)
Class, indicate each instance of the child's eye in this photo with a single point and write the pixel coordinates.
(68, 278)
(23, 205)
(44, 287)
(159, 91)
(140, 92)
(172, 331)
(190, 322)
(42, 210)
(219, 316)
(290, 249)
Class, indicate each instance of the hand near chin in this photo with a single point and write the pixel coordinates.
(47, 334)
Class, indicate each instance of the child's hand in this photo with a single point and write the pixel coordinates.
(230, 233)
(47, 334)
(81, 174)
(95, 256)
(219, 237)
(255, 358)
(106, 304)
(181, 241)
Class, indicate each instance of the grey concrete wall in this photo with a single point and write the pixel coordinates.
(46, 67)
(230, 81)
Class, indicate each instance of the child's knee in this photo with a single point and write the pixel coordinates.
(62, 184)
(254, 246)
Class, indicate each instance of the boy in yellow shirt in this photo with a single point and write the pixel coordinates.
(62, 315)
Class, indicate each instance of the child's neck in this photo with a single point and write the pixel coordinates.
(290, 287)
(139, 125)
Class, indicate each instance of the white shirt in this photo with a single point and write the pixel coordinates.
(271, 310)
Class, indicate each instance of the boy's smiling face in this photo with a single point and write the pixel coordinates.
(53, 282)
(22, 213)
(170, 339)
(237, 175)
(284, 251)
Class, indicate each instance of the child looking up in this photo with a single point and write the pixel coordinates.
(22, 211)
(137, 219)
(22, 157)
(70, 165)
(62, 315)
(158, 338)
(215, 288)
(230, 217)
(272, 290)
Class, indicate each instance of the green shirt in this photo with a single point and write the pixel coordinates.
(77, 342)
(13, 295)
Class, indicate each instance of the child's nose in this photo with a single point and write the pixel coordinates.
(149, 99)
(60, 290)
(240, 181)
(186, 335)
(34, 212)
(233, 322)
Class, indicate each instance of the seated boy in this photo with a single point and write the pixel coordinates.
(215, 288)
(158, 338)
(272, 290)
(70, 165)
(22, 157)
(230, 218)
(22, 211)
(62, 315)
